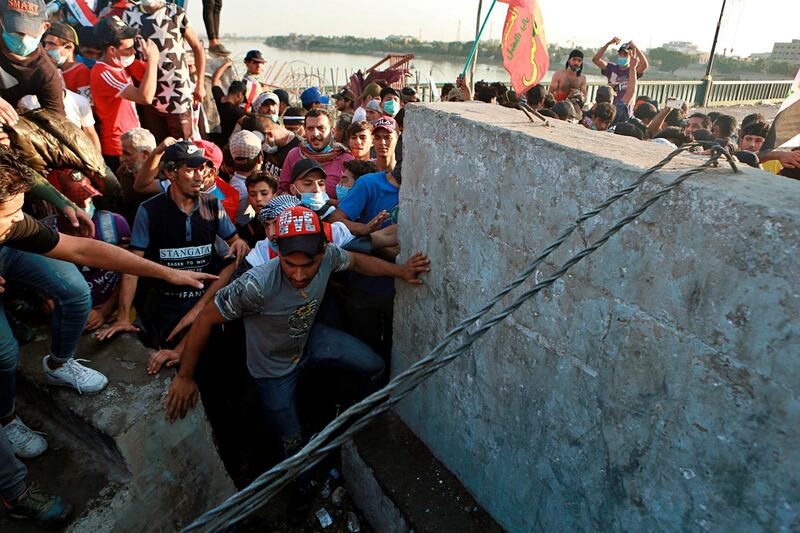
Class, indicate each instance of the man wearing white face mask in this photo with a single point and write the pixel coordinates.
(112, 86)
(60, 41)
(267, 104)
(24, 66)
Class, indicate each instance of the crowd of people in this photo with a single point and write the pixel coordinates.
(265, 246)
(617, 109)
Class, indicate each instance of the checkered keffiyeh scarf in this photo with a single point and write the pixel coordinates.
(276, 206)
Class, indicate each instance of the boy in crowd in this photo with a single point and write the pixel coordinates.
(390, 101)
(61, 43)
(245, 149)
(371, 92)
(359, 140)
(229, 106)
(752, 136)
(261, 188)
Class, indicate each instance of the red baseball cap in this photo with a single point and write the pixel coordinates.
(72, 184)
(385, 122)
(211, 151)
(298, 229)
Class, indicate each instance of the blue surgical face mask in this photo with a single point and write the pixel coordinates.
(391, 107)
(342, 192)
(622, 61)
(314, 200)
(56, 55)
(20, 44)
(273, 247)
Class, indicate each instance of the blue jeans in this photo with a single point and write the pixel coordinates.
(325, 347)
(58, 280)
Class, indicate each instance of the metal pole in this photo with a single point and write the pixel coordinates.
(707, 78)
(477, 46)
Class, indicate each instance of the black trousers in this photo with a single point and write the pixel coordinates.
(211, 12)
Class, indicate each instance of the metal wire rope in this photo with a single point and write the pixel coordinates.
(240, 505)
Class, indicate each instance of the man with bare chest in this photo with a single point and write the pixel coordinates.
(567, 80)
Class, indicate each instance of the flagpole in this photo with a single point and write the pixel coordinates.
(475, 57)
(477, 38)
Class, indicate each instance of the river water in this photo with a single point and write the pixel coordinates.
(304, 65)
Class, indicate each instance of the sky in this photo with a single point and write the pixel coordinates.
(748, 26)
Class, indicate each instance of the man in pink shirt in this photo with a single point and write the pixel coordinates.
(319, 145)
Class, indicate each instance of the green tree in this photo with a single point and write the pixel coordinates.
(781, 67)
(670, 60)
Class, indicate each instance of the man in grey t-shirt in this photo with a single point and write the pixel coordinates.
(278, 302)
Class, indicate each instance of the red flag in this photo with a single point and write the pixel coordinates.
(523, 44)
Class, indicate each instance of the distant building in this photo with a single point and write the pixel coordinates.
(760, 55)
(789, 52)
(684, 47)
(405, 39)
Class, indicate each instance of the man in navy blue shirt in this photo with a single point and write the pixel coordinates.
(178, 228)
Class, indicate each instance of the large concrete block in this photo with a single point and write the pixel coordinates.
(655, 387)
(159, 476)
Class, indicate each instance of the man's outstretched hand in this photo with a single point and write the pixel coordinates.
(415, 265)
(188, 278)
(182, 396)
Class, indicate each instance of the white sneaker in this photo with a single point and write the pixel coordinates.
(26, 442)
(73, 374)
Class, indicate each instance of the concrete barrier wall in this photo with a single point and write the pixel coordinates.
(653, 388)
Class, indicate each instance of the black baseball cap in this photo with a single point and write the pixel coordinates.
(65, 32)
(304, 166)
(255, 55)
(344, 94)
(110, 30)
(389, 90)
(185, 153)
(282, 95)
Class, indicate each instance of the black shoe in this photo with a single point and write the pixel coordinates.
(50, 512)
(21, 331)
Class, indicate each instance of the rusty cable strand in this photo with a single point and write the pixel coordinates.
(242, 504)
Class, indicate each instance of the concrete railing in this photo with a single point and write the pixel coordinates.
(656, 386)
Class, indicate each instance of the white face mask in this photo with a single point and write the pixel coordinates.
(127, 61)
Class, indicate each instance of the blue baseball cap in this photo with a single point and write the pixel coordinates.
(312, 96)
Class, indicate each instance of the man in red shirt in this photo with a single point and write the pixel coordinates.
(60, 41)
(112, 87)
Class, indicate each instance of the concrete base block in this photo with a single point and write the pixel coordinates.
(159, 476)
(400, 486)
